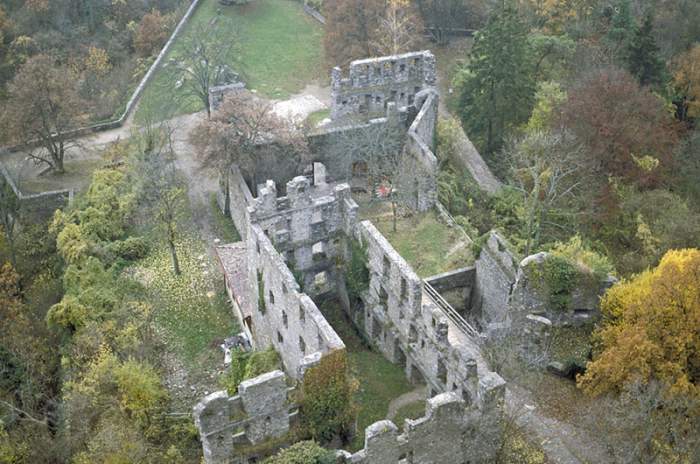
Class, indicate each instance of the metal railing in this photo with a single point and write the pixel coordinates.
(450, 312)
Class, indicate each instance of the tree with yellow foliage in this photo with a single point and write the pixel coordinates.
(651, 331)
(400, 29)
(686, 76)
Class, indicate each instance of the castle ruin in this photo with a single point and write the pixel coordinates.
(288, 257)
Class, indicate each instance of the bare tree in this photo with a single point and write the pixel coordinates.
(399, 30)
(161, 184)
(43, 107)
(550, 172)
(659, 425)
(245, 131)
(202, 60)
(377, 150)
(9, 212)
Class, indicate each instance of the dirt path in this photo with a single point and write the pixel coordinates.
(312, 98)
(420, 393)
(562, 442)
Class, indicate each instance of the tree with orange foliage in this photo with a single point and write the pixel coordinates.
(620, 122)
(152, 33)
(651, 330)
(350, 29)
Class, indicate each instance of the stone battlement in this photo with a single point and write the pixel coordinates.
(374, 82)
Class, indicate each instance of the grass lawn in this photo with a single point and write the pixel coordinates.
(413, 410)
(316, 117)
(77, 176)
(278, 51)
(380, 381)
(222, 226)
(429, 245)
(192, 309)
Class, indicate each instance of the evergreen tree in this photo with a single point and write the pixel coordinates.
(622, 28)
(497, 88)
(643, 55)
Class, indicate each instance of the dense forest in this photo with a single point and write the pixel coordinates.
(106, 46)
(587, 112)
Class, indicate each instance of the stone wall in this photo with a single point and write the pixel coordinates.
(456, 288)
(459, 278)
(260, 411)
(290, 251)
(413, 332)
(307, 226)
(531, 294)
(37, 206)
(419, 189)
(234, 198)
(496, 270)
(372, 83)
(448, 433)
(281, 314)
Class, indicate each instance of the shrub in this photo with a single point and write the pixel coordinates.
(131, 249)
(588, 260)
(304, 452)
(356, 272)
(478, 244)
(560, 277)
(261, 362)
(328, 409)
(248, 365)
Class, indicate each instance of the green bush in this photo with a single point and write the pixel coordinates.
(588, 260)
(560, 277)
(327, 404)
(304, 452)
(356, 272)
(131, 249)
(248, 365)
(478, 244)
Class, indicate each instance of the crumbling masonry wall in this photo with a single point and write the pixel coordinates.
(260, 411)
(410, 330)
(531, 294)
(302, 232)
(496, 270)
(281, 315)
(448, 433)
(419, 186)
(307, 226)
(234, 198)
(371, 84)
